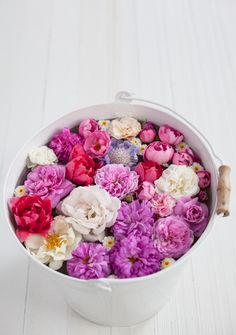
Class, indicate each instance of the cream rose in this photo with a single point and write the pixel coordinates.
(57, 246)
(178, 181)
(125, 127)
(90, 210)
(41, 156)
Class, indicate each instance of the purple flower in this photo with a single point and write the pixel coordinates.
(117, 180)
(194, 213)
(172, 236)
(134, 257)
(63, 142)
(134, 218)
(122, 152)
(89, 261)
(48, 182)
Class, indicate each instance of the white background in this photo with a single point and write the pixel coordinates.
(56, 56)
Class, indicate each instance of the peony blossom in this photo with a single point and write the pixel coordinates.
(172, 236)
(170, 135)
(32, 214)
(158, 152)
(178, 181)
(182, 158)
(162, 204)
(125, 127)
(146, 191)
(89, 261)
(90, 210)
(204, 177)
(49, 183)
(148, 133)
(97, 143)
(56, 246)
(148, 171)
(87, 127)
(41, 156)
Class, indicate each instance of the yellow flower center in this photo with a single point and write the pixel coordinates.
(53, 241)
(104, 123)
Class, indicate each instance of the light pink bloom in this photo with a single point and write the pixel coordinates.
(182, 158)
(163, 204)
(87, 127)
(159, 152)
(148, 133)
(170, 135)
(204, 177)
(97, 143)
(147, 191)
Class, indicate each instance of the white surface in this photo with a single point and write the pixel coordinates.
(56, 56)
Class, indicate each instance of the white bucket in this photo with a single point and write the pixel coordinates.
(118, 302)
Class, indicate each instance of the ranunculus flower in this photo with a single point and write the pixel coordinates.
(162, 204)
(170, 135)
(146, 191)
(125, 127)
(194, 213)
(90, 210)
(81, 167)
(182, 158)
(204, 177)
(87, 127)
(97, 143)
(158, 152)
(148, 171)
(178, 181)
(41, 156)
(56, 246)
(148, 133)
(33, 215)
(172, 236)
(49, 183)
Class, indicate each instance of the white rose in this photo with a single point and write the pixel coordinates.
(90, 210)
(125, 127)
(41, 156)
(178, 181)
(57, 246)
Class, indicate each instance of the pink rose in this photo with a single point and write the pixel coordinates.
(148, 133)
(159, 152)
(148, 171)
(97, 143)
(87, 127)
(147, 191)
(170, 135)
(204, 177)
(182, 158)
(163, 204)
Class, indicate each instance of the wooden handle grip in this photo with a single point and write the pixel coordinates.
(223, 191)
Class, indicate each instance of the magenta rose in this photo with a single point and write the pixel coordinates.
(87, 127)
(172, 236)
(97, 143)
(194, 213)
(182, 158)
(49, 182)
(170, 135)
(204, 177)
(159, 152)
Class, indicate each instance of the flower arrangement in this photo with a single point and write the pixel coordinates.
(114, 198)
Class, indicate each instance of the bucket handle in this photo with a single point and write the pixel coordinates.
(223, 187)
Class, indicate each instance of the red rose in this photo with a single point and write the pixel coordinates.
(81, 167)
(148, 171)
(33, 215)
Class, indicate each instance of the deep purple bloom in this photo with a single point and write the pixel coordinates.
(134, 218)
(194, 213)
(63, 142)
(48, 182)
(89, 261)
(122, 152)
(172, 236)
(134, 257)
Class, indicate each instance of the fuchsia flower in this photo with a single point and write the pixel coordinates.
(159, 152)
(146, 191)
(148, 171)
(87, 127)
(194, 213)
(170, 135)
(182, 158)
(162, 204)
(97, 143)
(148, 133)
(172, 236)
(135, 257)
(204, 177)
(89, 261)
(49, 182)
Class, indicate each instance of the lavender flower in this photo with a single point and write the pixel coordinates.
(122, 152)
(134, 257)
(134, 218)
(89, 261)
